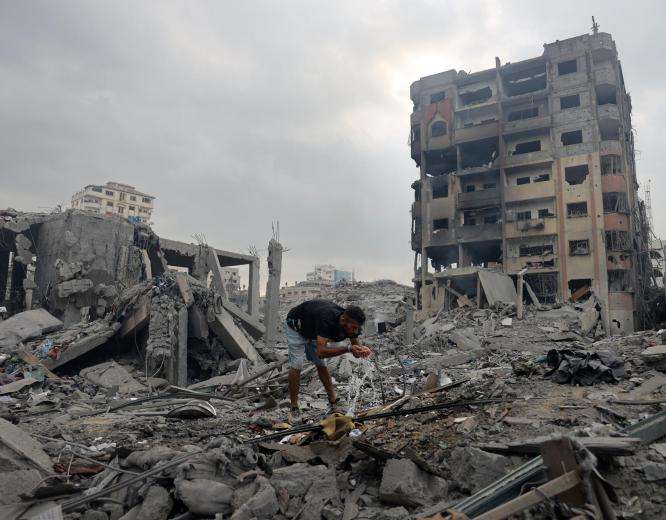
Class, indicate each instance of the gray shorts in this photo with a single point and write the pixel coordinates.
(301, 348)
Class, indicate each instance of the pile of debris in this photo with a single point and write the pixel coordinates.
(129, 391)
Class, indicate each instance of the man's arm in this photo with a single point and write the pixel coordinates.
(324, 351)
(358, 349)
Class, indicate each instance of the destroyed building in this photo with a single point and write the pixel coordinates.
(531, 165)
(74, 281)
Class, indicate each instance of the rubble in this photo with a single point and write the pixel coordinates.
(157, 397)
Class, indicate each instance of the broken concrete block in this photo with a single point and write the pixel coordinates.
(26, 325)
(297, 478)
(146, 459)
(232, 337)
(507, 322)
(67, 270)
(405, 484)
(654, 354)
(76, 286)
(466, 339)
(474, 469)
(205, 497)
(262, 505)
(18, 450)
(14, 483)
(156, 505)
(111, 374)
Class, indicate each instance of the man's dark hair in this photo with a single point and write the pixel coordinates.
(356, 314)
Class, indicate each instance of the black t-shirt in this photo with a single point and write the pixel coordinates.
(317, 318)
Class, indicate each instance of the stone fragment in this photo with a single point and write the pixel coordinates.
(262, 505)
(205, 497)
(14, 483)
(26, 325)
(474, 469)
(405, 484)
(156, 505)
(297, 478)
(69, 287)
(111, 374)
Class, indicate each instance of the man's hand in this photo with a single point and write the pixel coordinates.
(359, 351)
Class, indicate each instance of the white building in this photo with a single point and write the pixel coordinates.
(115, 198)
(323, 274)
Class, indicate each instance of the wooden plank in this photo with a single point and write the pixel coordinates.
(580, 293)
(559, 457)
(550, 489)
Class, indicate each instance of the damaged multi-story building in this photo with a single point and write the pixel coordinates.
(530, 165)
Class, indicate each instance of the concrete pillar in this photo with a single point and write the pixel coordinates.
(10, 276)
(272, 300)
(519, 297)
(253, 290)
(180, 359)
(409, 323)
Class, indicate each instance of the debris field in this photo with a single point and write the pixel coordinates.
(131, 391)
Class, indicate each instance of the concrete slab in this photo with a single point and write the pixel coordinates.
(232, 337)
(112, 374)
(19, 448)
(82, 346)
(24, 326)
(251, 324)
(498, 287)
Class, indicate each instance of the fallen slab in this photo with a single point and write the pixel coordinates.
(251, 324)
(26, 325)
(112, 374)
(82, 346)
(498, 287)
(20, 451)
(232, 337)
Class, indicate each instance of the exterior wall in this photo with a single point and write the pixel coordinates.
(533, 113)
(115, 198)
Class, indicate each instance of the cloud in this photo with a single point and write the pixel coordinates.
(237, 116)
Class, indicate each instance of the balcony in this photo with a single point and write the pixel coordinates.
(477, 132)
(604, 74)
(602, 41)
(478, 199)
(526, 125)
(525, 98)
(613, 183)
(616, 222)
(535, 226)
(608, 111)
(480, 232)
(528, 158)
(441, 237)
(533, 191)
(610, 147)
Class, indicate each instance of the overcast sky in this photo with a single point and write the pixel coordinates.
(236, 114)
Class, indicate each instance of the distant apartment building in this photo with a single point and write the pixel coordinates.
(530, 165)
(326, 274)
(300, 291)
(232, 281)
(115, 198)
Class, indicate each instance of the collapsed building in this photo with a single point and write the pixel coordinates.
(75, 281)
(531, 165)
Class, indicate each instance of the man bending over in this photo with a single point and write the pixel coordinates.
(311, 326)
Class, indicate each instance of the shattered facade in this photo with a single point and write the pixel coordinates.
(531, 165)
(73, 282)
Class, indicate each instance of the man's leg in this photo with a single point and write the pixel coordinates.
(295, 358)
(294, 379)
(326, 380)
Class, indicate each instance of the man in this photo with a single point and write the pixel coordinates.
(311, 326)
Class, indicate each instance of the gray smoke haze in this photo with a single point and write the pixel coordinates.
(235, 114)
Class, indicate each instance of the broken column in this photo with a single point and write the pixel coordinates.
(272, 300)
(162, 349)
